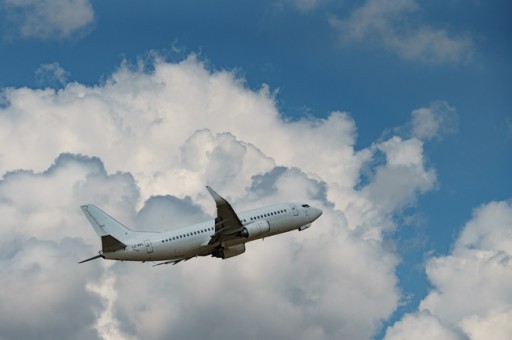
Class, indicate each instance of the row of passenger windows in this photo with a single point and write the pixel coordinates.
(259, 217)
(187, 234)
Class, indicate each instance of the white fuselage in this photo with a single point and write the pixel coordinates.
(194, 240)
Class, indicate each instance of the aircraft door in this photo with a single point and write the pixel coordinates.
(149, 246)
(294, 210)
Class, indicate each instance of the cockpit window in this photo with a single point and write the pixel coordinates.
(305, 206)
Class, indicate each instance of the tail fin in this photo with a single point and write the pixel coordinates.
(112, 232)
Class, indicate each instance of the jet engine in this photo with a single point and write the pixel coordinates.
(227, 252)
(255, 229)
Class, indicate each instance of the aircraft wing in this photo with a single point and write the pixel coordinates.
(227, 224)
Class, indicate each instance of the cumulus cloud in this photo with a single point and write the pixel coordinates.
(43, 237)
(390, 24)
(157, 119)
(142, 146)
(49, 19)
(168, 212)
(421, 326)
(471, 285)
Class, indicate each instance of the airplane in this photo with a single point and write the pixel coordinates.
(223, 238)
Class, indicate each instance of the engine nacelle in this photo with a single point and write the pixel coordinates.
(225, 253)
(255, 229)
(304, 227)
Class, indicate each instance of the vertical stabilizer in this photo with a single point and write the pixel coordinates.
(104, 225)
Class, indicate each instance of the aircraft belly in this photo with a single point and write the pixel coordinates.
(189, 245)
(281, 226)
(125, 255)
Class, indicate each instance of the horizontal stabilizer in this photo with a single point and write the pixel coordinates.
(110, 244)
(92, 258)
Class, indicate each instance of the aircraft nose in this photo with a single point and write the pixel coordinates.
(315, 212)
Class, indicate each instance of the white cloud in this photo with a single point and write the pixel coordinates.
(389, 24)
(489, 229)
(51, 75)
(493, 325)
(471, 294)
(171, 132)
(404, 174)
(433, 122)
(40, 299)
(152, 116)
(420, 326)
(107, 326)
(50, 19)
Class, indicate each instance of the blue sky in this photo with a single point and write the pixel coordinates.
(376, 62)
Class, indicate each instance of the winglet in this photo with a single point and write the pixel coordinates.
(227, 223)
(218, 199)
